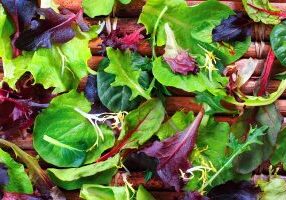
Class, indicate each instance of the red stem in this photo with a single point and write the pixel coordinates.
(266, 72)
(275, 13)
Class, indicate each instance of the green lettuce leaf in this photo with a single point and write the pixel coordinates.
(19, 181)
(259, 16)
(275, 188)
(95, 8)
(121, 65)
(64, 137)
(74, 178)
(143, 194)
(178, 122)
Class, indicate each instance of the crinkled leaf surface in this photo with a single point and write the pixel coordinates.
(259, 16)
(121, 65)
(18, 179)
(275, 188)
(277, 42)
(74, 178)
(63, 137)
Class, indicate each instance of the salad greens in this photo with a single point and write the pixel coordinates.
(124, 121)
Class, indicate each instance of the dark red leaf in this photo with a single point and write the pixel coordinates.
(173, 152)
(4, 178)
(21, 12)
(183, 63)
(236, 191)
(54, 28)
(235, 28)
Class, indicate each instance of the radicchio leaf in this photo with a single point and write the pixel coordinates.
(173, 152)
(237, 191)
(21, 12)
(235, 28)
(4, 178)
(178, 59)
(54, 28)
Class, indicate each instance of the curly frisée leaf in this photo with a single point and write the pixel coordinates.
(63, 136)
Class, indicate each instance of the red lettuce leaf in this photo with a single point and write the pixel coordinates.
(54, 28)
(173, 152)
(235, 28)
(21, 13)
(4, 178)
(237, 191)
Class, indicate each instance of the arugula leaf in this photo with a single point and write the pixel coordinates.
(139, 126)
(275, 188)
(117, 98)
(172, 153)
(95, 8)
(277, 41)
(74, 178)
(68, 144)
(18, 179)
(125, 75)
(258, 15)
(234, 28)
(192, 27)
(178, 122)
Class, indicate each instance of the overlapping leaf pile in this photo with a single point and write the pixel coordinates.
(120, 121)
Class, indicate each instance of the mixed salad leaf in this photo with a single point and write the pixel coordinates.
(124, 122)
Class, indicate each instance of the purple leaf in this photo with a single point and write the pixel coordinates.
(4, 178)
(235, 28)
(17, 196)
(54, 28)
(21, 12)
(194, 196)
(173, 152)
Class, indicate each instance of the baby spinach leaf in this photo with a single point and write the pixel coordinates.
(125, 75)
(279, 155)
(258, 15)
(139, 126)
(277, 42)
(178, 122)
(116, 98)
(18, 179)
(74, 178)
(95, 8)
(192, 27)
(68, 144)
(172, 153)
(235, 28)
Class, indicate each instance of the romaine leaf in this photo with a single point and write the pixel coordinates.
(234, 28)
(95, 8)
(139, 126)
(18, 179)
(277, 42)
(192, 27)
(178, 122)
(121, 66)
(67, 144)
(172, 153)
(74, 178)
(259, 16)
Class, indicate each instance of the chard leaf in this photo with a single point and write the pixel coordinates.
(258, 15)
(69, 145)
(95, 8)
(117, 98)
(234, 28)
(139, 126)
(38, 176)
(172, 153)
(277, 42)
(178, 122)
(275, 188)
(75, 178)
(192, 26)
(18, 179)
(125, 75)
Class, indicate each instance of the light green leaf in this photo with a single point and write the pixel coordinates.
(143, 194)
(278, 43)
(63, 137)
(19, 181)
(74, 178)
(259, 16)
(178, 122)
(121, 66)
(143, 123)
(275, 188)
